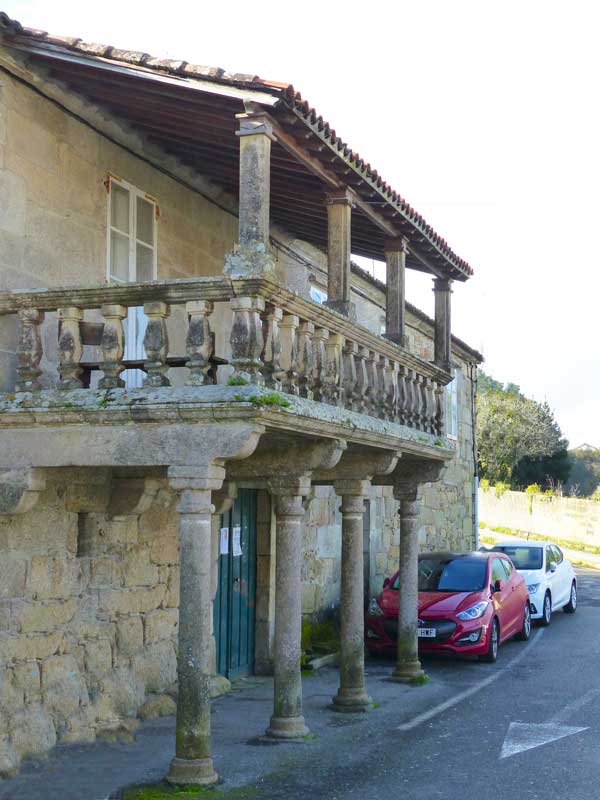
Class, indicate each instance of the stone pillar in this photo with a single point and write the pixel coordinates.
(352, 695)
(287, 721)
(395, 260)
(252, 256)
(442, 290)
(339, 214)
(193, 762)
(408, 666)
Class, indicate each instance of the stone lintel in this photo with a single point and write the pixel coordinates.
(282, 462)
(359, 466)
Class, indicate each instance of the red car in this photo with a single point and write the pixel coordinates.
(468, 605)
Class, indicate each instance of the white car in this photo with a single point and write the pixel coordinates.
(549, 576)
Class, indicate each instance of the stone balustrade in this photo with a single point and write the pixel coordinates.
(277, 340)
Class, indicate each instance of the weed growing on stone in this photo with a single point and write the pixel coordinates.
(269, 399)
(164, 791)
(236, 380)
(419, 680)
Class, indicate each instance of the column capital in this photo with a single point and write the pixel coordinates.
(340, 197)
(409, 477)
(253, 122)
(348, 487)
(442, 285)
(398, 244)
(289, 486)
(200, 478)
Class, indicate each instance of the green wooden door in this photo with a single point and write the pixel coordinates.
(234, 609)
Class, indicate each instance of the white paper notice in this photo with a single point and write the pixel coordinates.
(224, 546)
(237, 541)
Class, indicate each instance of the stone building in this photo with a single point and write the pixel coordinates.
(193, 376)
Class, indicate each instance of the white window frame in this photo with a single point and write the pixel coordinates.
(134, 193)
(452, 406)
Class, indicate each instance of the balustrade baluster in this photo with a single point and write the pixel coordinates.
(198, 342)
(440, 406)
(404, 407)
(379, 409)
(429, 406)
(334, 377)
(305, 359)
(361, 399)
(320, 340)
(393, 392)
(273, 372)
(29, 350)
(70, 348)
(289, 352)
(246, 338)
(156, 344)
(349, 376)
(112, 345)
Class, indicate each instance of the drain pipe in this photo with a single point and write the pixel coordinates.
(473, 376)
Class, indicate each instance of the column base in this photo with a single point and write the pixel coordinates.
(407, 671)
(195, 771)
(345, 307)
(287, 728)
(351, 701)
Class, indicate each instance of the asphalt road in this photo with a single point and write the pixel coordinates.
(527, 727)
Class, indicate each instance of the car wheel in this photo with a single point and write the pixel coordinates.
(571, 606)
(525, 631)
(546, 610)
(491, 654)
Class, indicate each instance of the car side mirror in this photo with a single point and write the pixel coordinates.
(553, 566)
(386, 583)
(498, 585)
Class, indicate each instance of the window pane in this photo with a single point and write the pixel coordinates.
(145, 221)
(119, 207)
(119, 256)
(144, 263)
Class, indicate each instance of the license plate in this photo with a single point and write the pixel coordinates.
(426, 633)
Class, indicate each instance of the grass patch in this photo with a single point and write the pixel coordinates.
(236, 380)
(419, 680)
(164, 791)
(376, 705)
(269, 399)
(310, 737)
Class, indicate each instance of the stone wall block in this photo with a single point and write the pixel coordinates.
(161, 625)
(9, 758)
(32, 731)
(27, 678)
(24, 648)
(106, 572)
(137, 569)
(98, 656)
(130, 635)
(12, 576)
(171, 599)
(165, 550)
(51, 577)
(42, 617)
(132, 601)
(156, 666)
(63, 687)
(11, 695)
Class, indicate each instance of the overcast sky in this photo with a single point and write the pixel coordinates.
(483, 115)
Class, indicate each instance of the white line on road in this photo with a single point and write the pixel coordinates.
(567, 711)
(452, 701)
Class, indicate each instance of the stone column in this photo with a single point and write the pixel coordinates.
(352, 695)
(252, 255)
(287, 721)
(339, 214)
(193, 762)
(442, 341)
(408, 666)
(395, 260)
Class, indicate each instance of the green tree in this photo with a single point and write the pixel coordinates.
(514, 433)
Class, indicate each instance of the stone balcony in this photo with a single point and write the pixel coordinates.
(214, 348)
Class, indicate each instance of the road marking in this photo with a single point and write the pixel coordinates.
(523, 736)
(567, 711)
(433, 712)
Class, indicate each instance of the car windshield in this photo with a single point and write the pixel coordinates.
(523, 557)
(450, 574)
